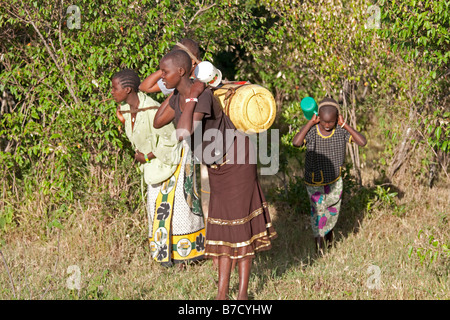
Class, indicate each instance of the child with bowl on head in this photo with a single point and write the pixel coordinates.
(238, 223)
(176, 223)
(325, 136)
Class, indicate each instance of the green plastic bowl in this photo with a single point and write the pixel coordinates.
(309, 107)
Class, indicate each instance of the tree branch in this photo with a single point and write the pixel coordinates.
(198, 13)
(51, 53)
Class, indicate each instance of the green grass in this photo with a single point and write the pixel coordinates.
(401, 232)
(112, 255)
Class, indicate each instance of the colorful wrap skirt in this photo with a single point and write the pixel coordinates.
(238, 224)
(176, 222)
(325, 205)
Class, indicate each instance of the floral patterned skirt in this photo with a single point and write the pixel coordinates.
(325, 205)
(176, 221)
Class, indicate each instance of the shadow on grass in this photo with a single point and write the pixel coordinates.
(294, 248)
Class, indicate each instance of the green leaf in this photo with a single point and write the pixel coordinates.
(410, 251)
(55, 223)
(419, 233)
(444, 146)
(438, 132)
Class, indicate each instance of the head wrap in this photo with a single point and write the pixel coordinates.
(328, 102)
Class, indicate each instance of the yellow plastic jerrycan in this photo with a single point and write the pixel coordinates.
(251, 107)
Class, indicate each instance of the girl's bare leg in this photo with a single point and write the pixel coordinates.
(320, 245)
(244, 266)
(224, 277)
(329, 239)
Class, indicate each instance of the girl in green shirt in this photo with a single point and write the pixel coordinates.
(176, 223)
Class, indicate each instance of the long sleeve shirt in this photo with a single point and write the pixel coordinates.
(145, 138)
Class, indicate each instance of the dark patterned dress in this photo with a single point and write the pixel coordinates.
(325, 157)
(238, 224)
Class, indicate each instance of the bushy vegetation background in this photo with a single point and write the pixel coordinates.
(65, 158)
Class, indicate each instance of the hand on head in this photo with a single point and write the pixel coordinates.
(340, 120)
(197, 88)
(315, 119)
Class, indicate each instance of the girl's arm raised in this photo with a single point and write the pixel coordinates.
(164, 115)
(300, 136)
(359, 139)
(150, 85)
(190, 119)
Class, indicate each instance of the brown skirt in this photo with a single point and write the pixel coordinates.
(238, 223)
